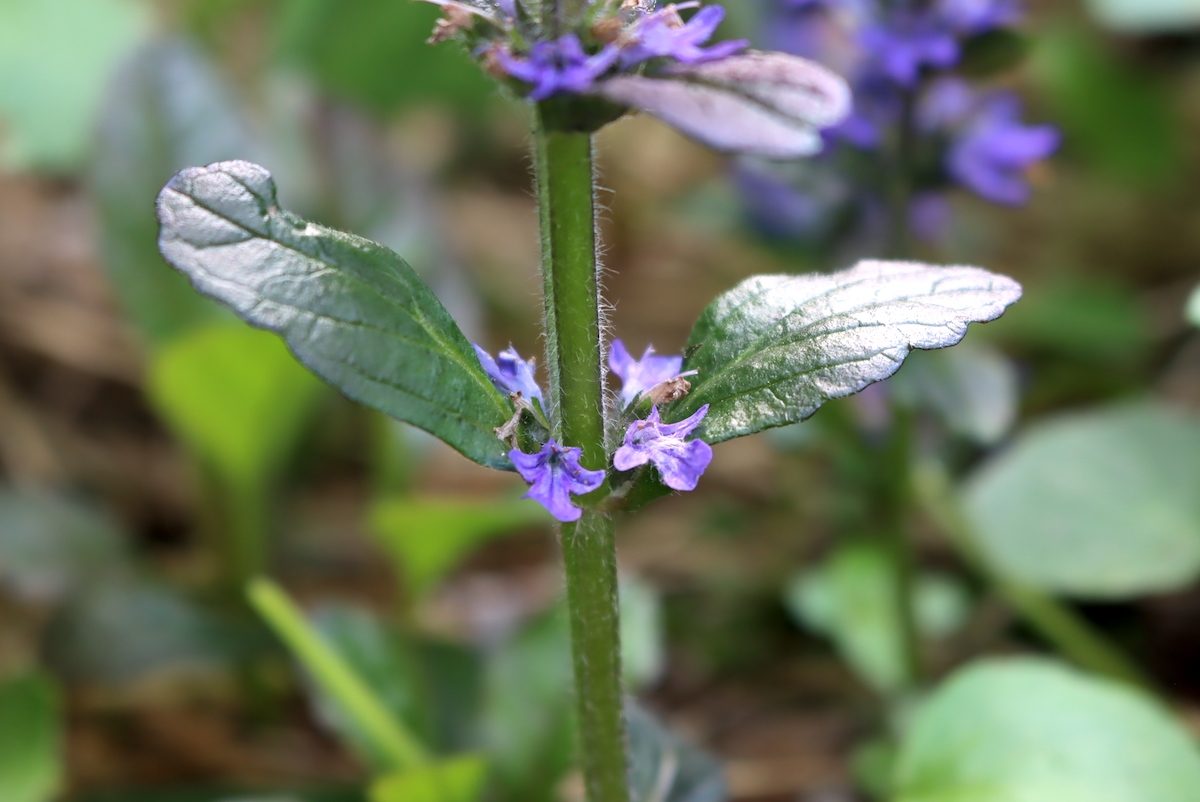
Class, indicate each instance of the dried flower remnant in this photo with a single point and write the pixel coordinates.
(680, 462)
(554, 475)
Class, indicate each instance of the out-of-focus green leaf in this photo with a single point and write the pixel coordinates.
(775, 348)
(350, 309)
(458, 779)
(427, 538)
(166, 110)
(666, 768)
(1193, 307)
(851, 599)
(118, 632)
(30, 739)
(1098, 505)
(433, 687)
(55, 58)
(529, 718)
(1147, 17)
(364, 50)
(1112, 115)
(1025, 730)
(235, 396)
(993, 52)
(51, 545)
(972, 388)
(1082, 318)
(643, 641)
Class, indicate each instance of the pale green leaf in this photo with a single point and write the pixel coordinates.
(31, 763)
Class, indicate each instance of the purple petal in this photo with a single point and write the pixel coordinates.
(554, 474)
(681, 467)
(684, 427)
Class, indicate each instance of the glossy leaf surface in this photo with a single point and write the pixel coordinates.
(30, 739)
(1028, 730)
(351, 310)
(1099, 505)
(772, 350)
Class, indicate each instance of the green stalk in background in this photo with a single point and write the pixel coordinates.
(573, 353)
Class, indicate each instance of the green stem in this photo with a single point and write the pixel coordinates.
(387, 736)
(897, 504)
(1061, 626)
(573, 351)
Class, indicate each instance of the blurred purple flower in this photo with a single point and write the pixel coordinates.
(904, 43)
(679, 462)
(995, 149)
(663, 35)
(554, 475)
(509, 372)
(973, 17)
(560, 65)
(639, 375)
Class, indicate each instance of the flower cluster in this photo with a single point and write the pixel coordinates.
(554, 472)
(900, 57)
(631, 54)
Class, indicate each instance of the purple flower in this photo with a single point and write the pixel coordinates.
(679, 463)
(973, 17)
(662, 35)
(558, 66)
(510, 373)
(639, 375)
(995, 149)
(906, 42)
(554, 475)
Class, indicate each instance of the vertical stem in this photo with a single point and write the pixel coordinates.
(573, 353)
(898, 494)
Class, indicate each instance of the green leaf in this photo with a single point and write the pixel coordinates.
(432, 686)
(458, 779)
(666, 768)
(1027, 730)
(352, 311)
(775, 348)
(428, 538)
(1097, 505)
(528, 724)
(974, 390)
(643, 639)
(851, 599)
(166, 110)
(121, 632)
(1113, 115)
(1193, 307)
(55, 58)
(236, 397)
(31, 766)
(51, 545)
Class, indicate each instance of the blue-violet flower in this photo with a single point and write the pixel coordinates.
(639, 375)
(560, 65)
(554, 475)
(995, 150)
(679, 462)
(663, 35)
(510, 373)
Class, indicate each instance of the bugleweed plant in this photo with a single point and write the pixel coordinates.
(768, 352)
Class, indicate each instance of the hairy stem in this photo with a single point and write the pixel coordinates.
(574, 352)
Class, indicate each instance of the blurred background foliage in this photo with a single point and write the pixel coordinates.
(155, 454)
